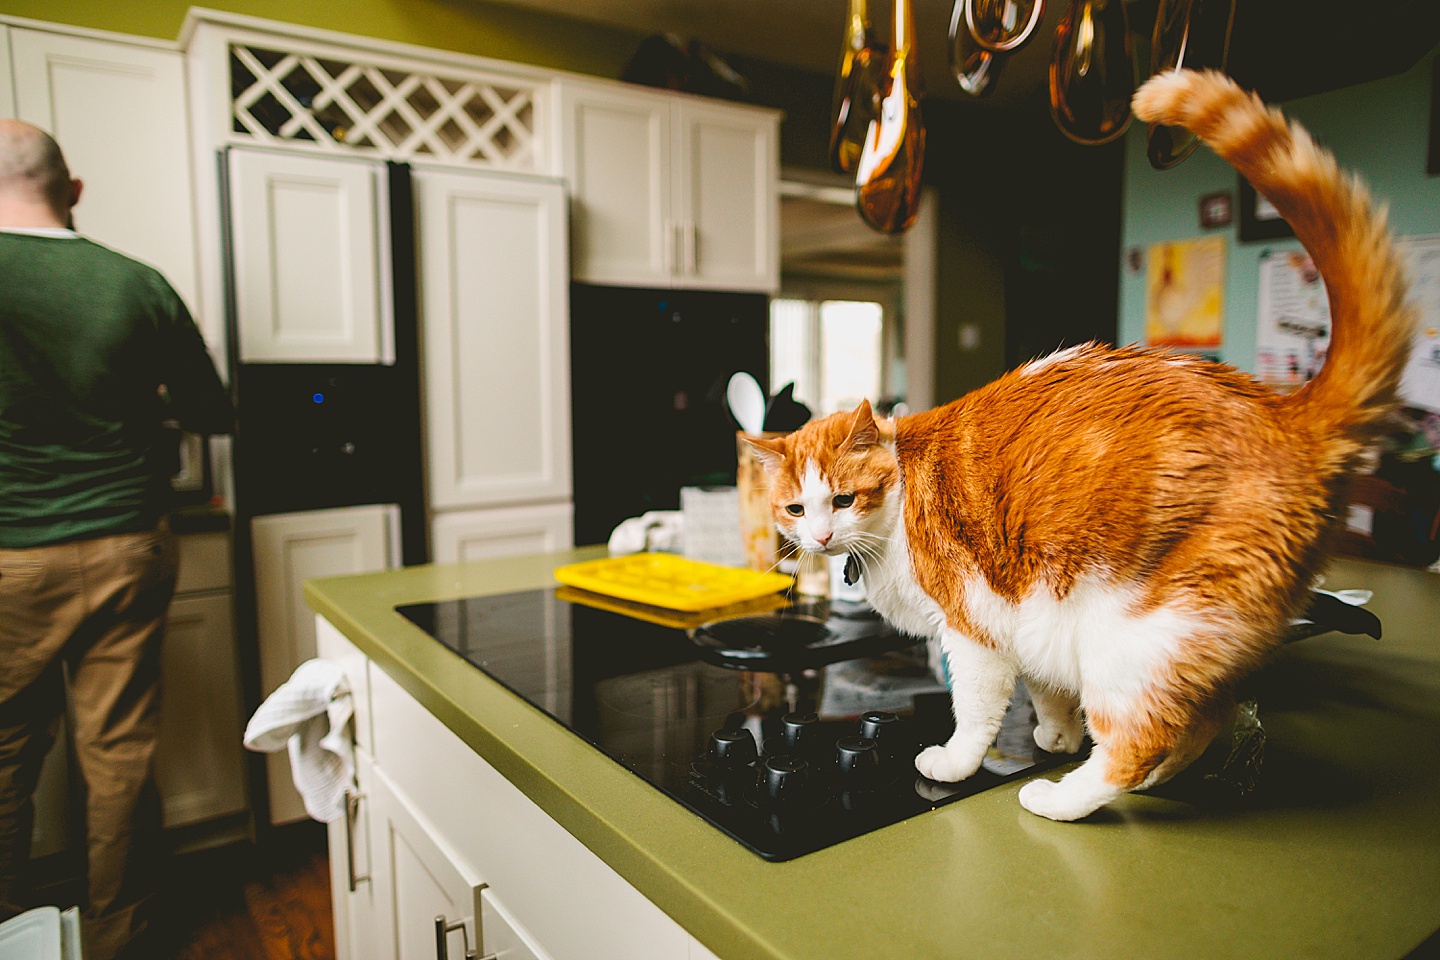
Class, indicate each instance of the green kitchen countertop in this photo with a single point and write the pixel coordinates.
(1336, 854)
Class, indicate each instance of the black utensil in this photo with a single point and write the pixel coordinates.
(783, 413)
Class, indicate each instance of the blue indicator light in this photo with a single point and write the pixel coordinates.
(318, 398)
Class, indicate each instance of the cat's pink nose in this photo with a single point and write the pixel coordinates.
(825, 540)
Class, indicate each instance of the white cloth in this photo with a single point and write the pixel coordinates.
(656, 530)
(310, 714)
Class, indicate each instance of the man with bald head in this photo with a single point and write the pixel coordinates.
(96, 353)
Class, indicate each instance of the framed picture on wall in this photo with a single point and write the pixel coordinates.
(1259, 220)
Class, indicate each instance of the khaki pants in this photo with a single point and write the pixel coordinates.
(97, 607)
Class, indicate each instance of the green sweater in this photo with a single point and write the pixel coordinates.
(96, 351)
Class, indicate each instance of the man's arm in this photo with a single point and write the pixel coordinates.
(198, 400)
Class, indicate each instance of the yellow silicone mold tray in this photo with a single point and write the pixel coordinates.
(671, 581)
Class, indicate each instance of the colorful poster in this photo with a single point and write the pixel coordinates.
(1185, 293)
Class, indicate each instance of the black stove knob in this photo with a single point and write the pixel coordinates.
(859, 762)
(875, 724)
(732, 748)
(786, 781)
(800, 729)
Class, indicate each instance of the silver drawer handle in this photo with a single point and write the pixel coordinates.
(352, 807)
(442, 947)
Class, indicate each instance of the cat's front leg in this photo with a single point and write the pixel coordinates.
(1058, 727)
(981, 682)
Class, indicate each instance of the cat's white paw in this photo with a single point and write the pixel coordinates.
(946, 764)
(1059, 738)
(1059, 800)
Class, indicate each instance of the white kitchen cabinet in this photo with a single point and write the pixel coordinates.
(557, 894)
(199, 765)
(289, 549)
(423, 888)
(352, 890)
(494, 320)
(310, 258)
(118, 111)
(352, 870)
(671, 191)
(449, 834)
(466, 535)
(503, 937)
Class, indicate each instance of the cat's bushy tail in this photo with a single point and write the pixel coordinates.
(1346, 236)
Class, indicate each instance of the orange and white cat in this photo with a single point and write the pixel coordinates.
(1129, 530)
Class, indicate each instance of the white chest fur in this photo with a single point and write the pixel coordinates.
(890, 583)
(1091, 640)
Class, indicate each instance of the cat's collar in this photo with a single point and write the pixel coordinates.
(852, 570)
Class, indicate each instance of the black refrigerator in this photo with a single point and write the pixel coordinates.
(649, 370)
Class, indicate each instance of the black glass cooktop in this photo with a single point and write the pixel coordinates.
(789, 731)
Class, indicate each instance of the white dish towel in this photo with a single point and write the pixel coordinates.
(310, 714)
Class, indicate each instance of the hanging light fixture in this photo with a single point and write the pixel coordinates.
(857, 88)
(887, 179)
(975, 68)
(1092, 73)
(1002, 26)
(1190, 34)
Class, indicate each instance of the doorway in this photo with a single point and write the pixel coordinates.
(855, 314)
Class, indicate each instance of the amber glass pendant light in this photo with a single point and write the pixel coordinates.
(1001, 26)
(857, 88)
(975, 68)
(1193, 34)
(887, 180)
(1092, 74)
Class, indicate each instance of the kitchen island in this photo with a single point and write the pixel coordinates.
(1335, 854)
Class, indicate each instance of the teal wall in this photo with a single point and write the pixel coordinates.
(1377, 129)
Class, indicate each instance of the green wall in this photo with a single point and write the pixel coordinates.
(1378, 129)
(464, 26)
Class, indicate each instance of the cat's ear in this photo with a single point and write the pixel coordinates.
(768, 451)
(863, 430)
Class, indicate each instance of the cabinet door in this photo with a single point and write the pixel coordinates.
(726, 197)
(352, 875)
(289, 549)
(198, 765)
(617, 160)
(118, 112)
(418, 881)
(494, 308)
(310, 237)
(501, 532)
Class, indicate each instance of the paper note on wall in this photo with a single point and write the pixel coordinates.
(1293, 331)
(1293, 326)
(1185, 293)
(1420, 386)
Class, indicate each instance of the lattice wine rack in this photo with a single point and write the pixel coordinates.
(346, 106)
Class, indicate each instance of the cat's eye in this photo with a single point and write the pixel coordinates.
(843, 500)
(795, 510)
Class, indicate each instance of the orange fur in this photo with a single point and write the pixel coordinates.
(1175, 483)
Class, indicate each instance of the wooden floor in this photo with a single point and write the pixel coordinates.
(267, 901)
